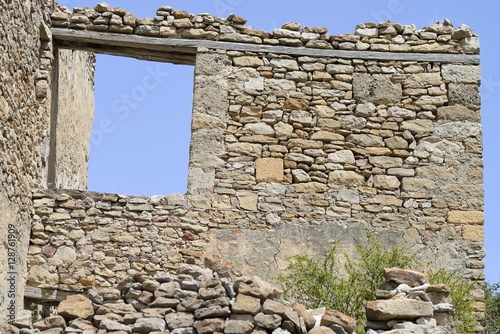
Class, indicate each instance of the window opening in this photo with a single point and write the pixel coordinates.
(142, 127)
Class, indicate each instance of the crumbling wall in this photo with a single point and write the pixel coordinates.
(74, 116)
(290, 152)
(25, 58)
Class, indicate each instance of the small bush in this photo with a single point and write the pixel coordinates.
(461, 297)
(492, 314)
(318, 283)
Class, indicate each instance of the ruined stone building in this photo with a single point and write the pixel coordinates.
(299, 139)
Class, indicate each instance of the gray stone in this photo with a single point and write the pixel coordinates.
(212, 312)
(377, 88)
(401, 112)
(418, 126)
(439, 147)
(267, 321)
(461, 73)
(386, 162)
(352, 122)
(288, 64)
(187, 330)
(470, 44)
(394, 309)
(235, 37)
(458, 113)
(386, 182)
(55, 321)
(259, 129)
(300, 176)
(365, 140)
(458, 130)
(114, 326)
(302, 117)
(238, 327)
(342, 157)
(147, 325)
(256, 287)
(464, 95)
(365, 110)
(367, 32)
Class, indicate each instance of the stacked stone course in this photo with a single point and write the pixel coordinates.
(407, 303)
(199, 301)
(171, 23)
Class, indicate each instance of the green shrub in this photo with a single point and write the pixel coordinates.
(318, 282)
(461, 297)
(492, 314)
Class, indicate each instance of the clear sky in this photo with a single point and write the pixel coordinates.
(143, 109)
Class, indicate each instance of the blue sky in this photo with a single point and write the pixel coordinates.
(143, 109)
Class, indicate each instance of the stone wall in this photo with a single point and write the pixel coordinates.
(75, 113)
(171, 23)
(24, 114)
(26, 96)
(200, 300)
(289, 153)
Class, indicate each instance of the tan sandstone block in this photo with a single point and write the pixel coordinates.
(473, 233)
(248, 200)
(269, 170)
(466, 217)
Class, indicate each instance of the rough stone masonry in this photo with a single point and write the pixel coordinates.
(299, 139)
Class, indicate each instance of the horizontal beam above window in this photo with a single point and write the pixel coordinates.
(183, 51)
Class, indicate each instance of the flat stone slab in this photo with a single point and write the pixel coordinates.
(396, 309)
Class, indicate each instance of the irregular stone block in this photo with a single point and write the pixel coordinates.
(302, 311)
(418, 184)
(458, 113)
(267, 321)
(473, 233)
(55, 321)
(365, 140)
(465, 95)
(209, 326)
(340, 319)
(246, 304)
(395, 309)
(114, 326)
(248, 61)
(406, 276)
(211, 312)
(348, 179)
(466, 217)
(461, 73)
(147, 325)
(269, 170)
(377, 88)
(386, 182)
(386, 162)
(418, 126)
(238, 327)
(179, 320)
(321, 330)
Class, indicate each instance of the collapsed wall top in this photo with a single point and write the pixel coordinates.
(169, 23)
